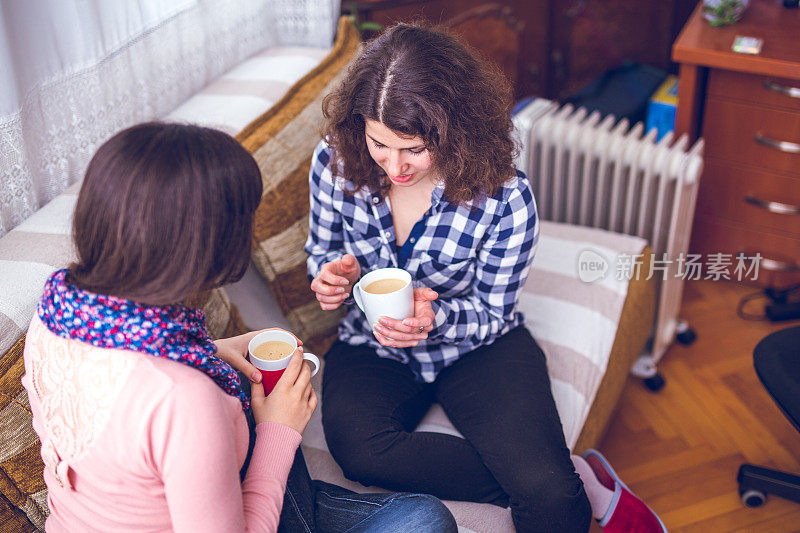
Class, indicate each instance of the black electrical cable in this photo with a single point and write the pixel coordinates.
(749, 298)
(771, 294)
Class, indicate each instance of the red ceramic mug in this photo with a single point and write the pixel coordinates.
(272, 369)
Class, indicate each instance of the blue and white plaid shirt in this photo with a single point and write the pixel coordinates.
(477, 259)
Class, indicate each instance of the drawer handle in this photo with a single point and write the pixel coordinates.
(773, 207)
(776, 265)
(791, 92)
(783, 146)
(773, 265)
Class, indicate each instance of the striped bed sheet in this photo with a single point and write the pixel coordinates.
(575, 322)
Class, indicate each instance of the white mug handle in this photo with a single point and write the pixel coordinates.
(313, 359)
(357, 296)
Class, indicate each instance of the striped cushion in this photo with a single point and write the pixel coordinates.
(247, 91)
(13, 519)
(22, 483)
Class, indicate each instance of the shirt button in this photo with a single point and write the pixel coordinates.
(413, 240)
(387, 234)
(376, 199)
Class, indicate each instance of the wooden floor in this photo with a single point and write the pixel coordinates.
(679, 449)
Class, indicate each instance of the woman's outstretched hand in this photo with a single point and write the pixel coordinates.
(410, 331)
(292, 401)
(335, 281)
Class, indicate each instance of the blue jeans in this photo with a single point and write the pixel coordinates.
(316, 506)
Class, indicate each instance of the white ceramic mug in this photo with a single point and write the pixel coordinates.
(398, 304)
(272, 370)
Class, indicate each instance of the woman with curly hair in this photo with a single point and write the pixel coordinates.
(416, 171)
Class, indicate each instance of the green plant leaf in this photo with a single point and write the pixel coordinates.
(371, 26)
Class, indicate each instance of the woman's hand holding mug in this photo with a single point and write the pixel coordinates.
(335, 281)
(233, 351)
(408, 332)
(292, 401)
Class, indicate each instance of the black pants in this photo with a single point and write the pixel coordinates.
(498, 396)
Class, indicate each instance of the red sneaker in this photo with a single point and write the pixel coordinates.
(627, 513)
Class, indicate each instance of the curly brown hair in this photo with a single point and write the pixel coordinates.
(424, 81)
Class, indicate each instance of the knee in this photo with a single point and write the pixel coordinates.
(356, 463)
(358, 455)
(423, 513)
(554, 498)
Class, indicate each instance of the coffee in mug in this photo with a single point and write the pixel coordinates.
(385, 292)
(385, 286)
(271, 351)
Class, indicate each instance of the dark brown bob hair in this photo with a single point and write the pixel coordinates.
(423, 81)
(165, 212)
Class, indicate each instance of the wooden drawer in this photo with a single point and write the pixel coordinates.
(731, 130)
(713, 235)
(748, 195)
(754, 89)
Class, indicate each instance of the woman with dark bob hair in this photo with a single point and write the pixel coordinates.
(144, 423)
(416, 171)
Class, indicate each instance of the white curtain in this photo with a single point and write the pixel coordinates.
(73, 72)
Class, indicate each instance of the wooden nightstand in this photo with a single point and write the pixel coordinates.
(747, 107)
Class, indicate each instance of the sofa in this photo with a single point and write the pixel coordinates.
(591, 332)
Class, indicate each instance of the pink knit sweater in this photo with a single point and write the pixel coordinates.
(133, 442)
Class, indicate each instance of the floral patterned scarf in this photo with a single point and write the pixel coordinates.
(174, 332)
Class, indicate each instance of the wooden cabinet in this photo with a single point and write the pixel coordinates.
(748, 110)
(563, 45)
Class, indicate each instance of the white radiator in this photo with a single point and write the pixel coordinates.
(605, 174)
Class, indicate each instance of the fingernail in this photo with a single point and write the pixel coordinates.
(383, 321)
(340, 290)
(256, 377)
(347, 294)
(407, 322)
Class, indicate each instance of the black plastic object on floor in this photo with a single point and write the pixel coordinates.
(777, 362)
(622, 91)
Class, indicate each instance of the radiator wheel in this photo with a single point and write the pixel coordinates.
(654, 383)
(752, 497)
(684, 334)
